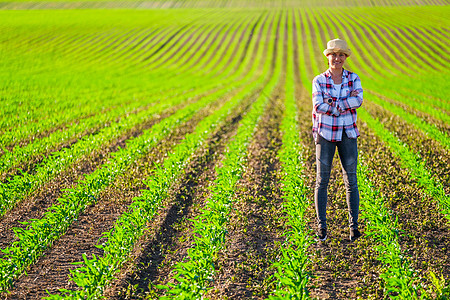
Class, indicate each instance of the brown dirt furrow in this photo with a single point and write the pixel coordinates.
(89, 46)
(307, 65)
(220, 45)
(157, 33)
(246, 262)
(148, 32)
(435, 155)
(181, 47)
(259, 37)
(235, 50)
(38, 203)
(170, 235)
(114, 41)
(318, 45)
(51, 271)
(295, 52)
(181, 32)
(209, 46)
(441, 125)
(164, 33)
(83, 235)
(417, 54)
(323, 36)
(439, 35)
(126, 45)
(393, 45)
(370, 30)
(137, 32)
(424, 235)
(66, 43)
(233, 36)
(444, 31)
(84, 41)
(167, 243)
(163, 54)
(35, 40)
(187, 49)
(35, 206)
(431, 43)
(43, 133)
(198, 44)
(336, 263)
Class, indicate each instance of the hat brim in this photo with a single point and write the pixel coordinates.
(334, 50)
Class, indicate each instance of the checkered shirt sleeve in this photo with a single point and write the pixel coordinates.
(331, 115)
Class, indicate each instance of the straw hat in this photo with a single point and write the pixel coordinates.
(337, 45)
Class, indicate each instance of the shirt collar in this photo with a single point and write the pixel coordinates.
(328, 73)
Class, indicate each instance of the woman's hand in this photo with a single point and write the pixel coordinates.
(354, 93)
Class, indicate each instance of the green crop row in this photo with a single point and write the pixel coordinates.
(13, 158)
(400, 279)
(419, 123)
(99, 271)
(41, 233)
(201, 133)
(417, 103)
(410, 161)
(156, 78)
(22, 185)
(293, 265)
(194, 274)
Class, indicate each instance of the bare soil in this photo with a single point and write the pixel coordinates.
(246, 262)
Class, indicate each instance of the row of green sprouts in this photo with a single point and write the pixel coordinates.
(195, 274)
(22, 185)
(39, 234)
(293, 267)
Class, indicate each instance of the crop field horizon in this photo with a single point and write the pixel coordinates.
(163, 150)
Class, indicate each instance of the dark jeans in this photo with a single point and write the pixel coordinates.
(348, 153)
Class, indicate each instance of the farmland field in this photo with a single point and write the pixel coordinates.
(163, 149)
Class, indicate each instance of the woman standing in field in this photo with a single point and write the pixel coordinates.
(337, 93)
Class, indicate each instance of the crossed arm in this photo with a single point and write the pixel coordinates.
(322, 106)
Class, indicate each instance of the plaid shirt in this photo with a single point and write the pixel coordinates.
(331, 114)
